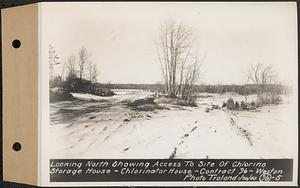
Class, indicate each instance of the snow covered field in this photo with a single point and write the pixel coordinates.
(105, 127)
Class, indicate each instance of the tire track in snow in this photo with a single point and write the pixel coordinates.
(182, 139)
(240, 131)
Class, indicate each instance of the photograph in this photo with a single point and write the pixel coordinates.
(171, 80)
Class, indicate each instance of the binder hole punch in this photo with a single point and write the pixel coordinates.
(16, 43)
(17, 146)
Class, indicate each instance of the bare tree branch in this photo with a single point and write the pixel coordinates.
(179, 69)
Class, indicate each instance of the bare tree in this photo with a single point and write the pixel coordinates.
(180, 68)
(191, 76)
(261, 75)
(82, 61)
(95, 74)
(62, 75)
(71, 66)
(90, 68)
(53, 60)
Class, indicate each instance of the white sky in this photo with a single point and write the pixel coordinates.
(120, 37)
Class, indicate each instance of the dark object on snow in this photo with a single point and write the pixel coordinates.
(101, 92)
(189, 101)
(252, 106)
(211, 107)
(236, 105)
(244, 106)
(223, 105)
(173, 154)
(78, 85)
(206, 109)
(230, 104)
(126, 120)
(146, 104)
(192, 101)
(214, 106)
(139, 102)
(60, 94)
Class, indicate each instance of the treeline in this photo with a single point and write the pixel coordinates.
(246, 89)
(78, 74)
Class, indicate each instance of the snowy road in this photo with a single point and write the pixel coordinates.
(104, 127)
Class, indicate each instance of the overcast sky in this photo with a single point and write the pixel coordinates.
(120, 37)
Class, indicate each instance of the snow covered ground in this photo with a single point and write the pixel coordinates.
(105, 127)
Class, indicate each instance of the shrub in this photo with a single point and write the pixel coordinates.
(252, 105)
(236, 105)
(259, 103)
(214, 106)
(74, 84)
(56, 82)
(192, 101)
(77, 85)
(269, 98)
(244, 106)
(101, 92)
(230, 104)
(140, 102)
(59, 94)
(276, 99)
(146, 104)
(188, 101)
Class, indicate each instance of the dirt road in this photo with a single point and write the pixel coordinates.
(105, 127)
